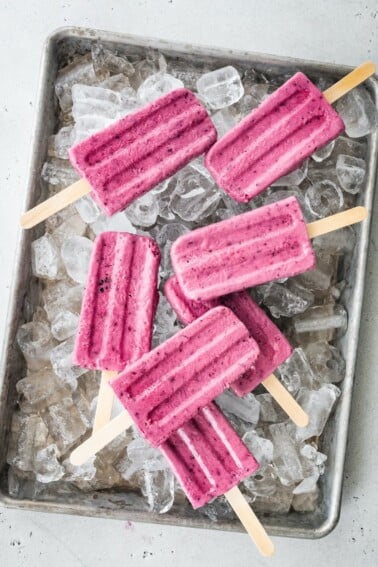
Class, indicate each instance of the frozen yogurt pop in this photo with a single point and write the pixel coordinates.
(131, 156)
(264, 244)
(209, 459)
(207, 456)
(275, 138)
(167, 386)
(118, 309)
(274, 348)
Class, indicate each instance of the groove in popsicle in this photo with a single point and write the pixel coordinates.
(138, 125)
(209, 381)
(150, 380)
(272, 132)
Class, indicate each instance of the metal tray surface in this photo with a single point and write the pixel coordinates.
(59, 46)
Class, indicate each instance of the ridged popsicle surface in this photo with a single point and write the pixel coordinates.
(274, 139)
(273, 345)
(131, 156)
(265, 244)
(167, 386)
(207, 456)
(119, 304)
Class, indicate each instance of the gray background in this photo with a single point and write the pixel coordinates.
(340, 31)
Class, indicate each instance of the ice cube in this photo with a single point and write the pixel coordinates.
(323, 153)
(116, 223)
(326, 361)
(270, 411)
(246, 408)
(72, 226)
(296, 372)
(307, 485)
(293, 178)
(221, 88)
(318, 405)
(64, 325)
(35, 342)
(95, 101)
(83, 472)
(46, 465)
(324, 198)
(64, 424)
(59, 173)
(285, 300)
(62, 296)
(285, 455)
(319, 278)
(143, 211)
(336, 243)
(41, 388)
(61, 361)
(158, 85)
(46, 263)
(106, 61)
(260, 447)
(76, 253)
(358, 111)
(159, 490)
(223, 120)
(351, 172)
(60, 143)
(165, 322)
(322, 318)
(140, 453)
(306, 502)
(195, 196)
(264, 483)
(79, 71)
(87, 209)
(165, 238)
(28, 435)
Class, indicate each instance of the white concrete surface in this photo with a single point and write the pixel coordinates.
(342, 31)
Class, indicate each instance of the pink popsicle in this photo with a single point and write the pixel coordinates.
(130, 157)
(165, 387)
(274, 139)
(207, 456)
(119, 303)
(265, 244)
(274, 347)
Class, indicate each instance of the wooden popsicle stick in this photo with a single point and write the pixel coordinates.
(105, 401)
(286, 401)
(101, 438)
(55, 204)
(250, 521)
(334, 222)
(350, 81)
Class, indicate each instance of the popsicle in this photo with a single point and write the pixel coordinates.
(274, 348)
(118, 309)
(264, 244)
(131, 156)
(275, 138)
(209, 459)
(166, 387)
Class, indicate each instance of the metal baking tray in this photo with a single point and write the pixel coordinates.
(59, 46)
